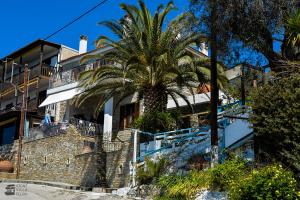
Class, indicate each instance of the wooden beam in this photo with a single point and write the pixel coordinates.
(8, 121)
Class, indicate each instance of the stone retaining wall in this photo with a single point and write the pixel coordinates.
(61, 158)
(118, 160)
(58, 158)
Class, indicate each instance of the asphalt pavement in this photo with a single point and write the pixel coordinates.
(24, 191)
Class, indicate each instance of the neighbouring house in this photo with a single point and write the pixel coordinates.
(239, 139)
(42, 57)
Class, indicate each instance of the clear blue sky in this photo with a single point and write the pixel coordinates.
(23, 21)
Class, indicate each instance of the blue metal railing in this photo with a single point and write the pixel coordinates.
(188, 133)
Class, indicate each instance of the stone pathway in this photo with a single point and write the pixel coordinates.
(21, 191)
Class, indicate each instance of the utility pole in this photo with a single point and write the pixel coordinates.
(22, 120)
(214, 86)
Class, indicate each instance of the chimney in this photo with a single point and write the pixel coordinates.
(203, 48)
(83, 44)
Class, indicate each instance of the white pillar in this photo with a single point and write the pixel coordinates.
(135, 149)
(108, 119)
(67, 111)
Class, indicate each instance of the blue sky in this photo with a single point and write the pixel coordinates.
(25, 21)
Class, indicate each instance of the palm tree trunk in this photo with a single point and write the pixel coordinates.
(155, 99)
(214, 87)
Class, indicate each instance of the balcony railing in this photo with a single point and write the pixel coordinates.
(63, 77)
(11, 108)
(47, 131)
(85, 128)
(34, 71)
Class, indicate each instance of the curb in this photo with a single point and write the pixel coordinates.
(69, 187)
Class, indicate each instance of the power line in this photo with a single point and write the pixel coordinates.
(76, 19)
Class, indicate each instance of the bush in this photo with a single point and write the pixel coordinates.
(227, 173)
(276, 121)
(269, 183)
(183, 187)
(152, 170)
(157, 122)
(235, 178)
(218, 178)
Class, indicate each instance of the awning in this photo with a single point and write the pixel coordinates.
(60, 96)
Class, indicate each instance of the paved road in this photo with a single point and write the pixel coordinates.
(20, 191)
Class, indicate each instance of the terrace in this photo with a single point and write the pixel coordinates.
(85, 128)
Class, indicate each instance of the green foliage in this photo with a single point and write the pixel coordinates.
(235, 178)
(147, 58)
(218, 178)
(269, 183)
(184, 187)
(248, 26)
(152, 170)
(293, 29)
(276, 121)
(222, 176)
(157, 121)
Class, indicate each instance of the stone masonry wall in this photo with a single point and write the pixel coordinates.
(9, 152)
(61, 159)
(118, 159)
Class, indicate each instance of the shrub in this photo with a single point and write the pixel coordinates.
(156, 122)
(276, 121)
(183, 187)
(152, 170)
(227, 173)
(269, 183)
(218, 178)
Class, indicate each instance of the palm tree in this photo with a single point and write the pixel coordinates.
(293, 29)
(147, 59)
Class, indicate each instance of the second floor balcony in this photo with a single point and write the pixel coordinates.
(38, 70)
(62, 76)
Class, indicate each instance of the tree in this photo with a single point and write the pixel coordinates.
(254, 23)
(292, 36)
(276, 120)
(293, 29)
(148, 59)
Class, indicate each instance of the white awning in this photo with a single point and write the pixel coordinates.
(60, 96)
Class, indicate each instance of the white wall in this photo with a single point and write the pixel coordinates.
(237, 130)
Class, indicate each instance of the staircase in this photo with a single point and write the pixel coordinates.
(180, 145)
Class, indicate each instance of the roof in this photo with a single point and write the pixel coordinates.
(83, 54)
(32, 45)
(189, 48)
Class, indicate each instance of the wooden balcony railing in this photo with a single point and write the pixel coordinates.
(34, 71)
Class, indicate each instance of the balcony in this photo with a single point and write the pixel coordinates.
(34, 71)
(60, 77)
(66, 76)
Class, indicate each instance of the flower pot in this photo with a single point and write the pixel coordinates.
(87, 149)
(6, 166)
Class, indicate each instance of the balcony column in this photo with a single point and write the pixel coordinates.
(39, 73)
(67, 111)
(108, 119)
(41, 56)
(19, 78)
